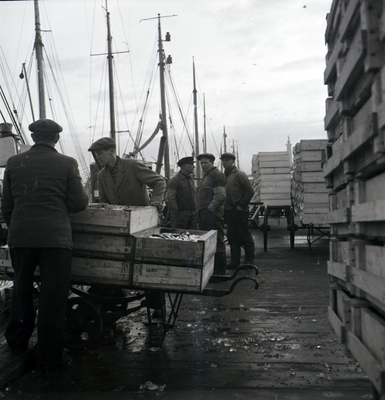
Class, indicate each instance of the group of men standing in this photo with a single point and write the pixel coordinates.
(41, 190)
(220, 196)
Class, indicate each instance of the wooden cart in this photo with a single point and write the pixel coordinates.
(259, 218)
(113, 257)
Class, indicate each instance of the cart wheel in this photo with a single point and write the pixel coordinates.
(108, 292)
(83, 324)
(265, 229)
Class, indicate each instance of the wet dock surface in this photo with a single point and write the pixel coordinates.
(271, 343)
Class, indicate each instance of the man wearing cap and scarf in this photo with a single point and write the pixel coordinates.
(181, 196)
(41, 189)
(239, 192)
(123, 181)
(211, 199)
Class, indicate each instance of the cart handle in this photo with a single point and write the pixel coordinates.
(221, 293)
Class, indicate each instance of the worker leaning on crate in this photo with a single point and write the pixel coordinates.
(123, 181)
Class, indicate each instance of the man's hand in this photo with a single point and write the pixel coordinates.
(157, 204)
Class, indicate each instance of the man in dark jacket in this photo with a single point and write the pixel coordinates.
(181, 196)
(239, 192)
(41, 189)
(211, 199)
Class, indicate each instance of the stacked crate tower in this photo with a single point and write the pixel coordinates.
(272, 179)
(308, 190)
(355, 174)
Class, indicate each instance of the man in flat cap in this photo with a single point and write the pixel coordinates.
(181, 196)
(239, 192)
(124, 181)
(41, 189)
(6, 129)
(211, 199)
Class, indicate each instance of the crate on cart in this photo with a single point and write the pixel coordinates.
(310, 195)
(174, 259)
(175, 246)
(111, 219)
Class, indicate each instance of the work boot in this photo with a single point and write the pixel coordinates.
(249, 254)
(235, 251)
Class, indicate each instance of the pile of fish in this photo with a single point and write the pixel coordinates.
(176, 236)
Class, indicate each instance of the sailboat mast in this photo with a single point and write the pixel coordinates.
(198, 173)
(110, 76)
(39, 59)
(164, 142)
(224, 139)
(204, 125)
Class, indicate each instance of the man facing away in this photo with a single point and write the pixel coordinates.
(41, 189)
(211, 199)
(239, 192)
(181, 196)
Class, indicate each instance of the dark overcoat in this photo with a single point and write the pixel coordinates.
(41, 189)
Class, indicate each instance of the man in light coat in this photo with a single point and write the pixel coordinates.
(124, 181)
(41, 189)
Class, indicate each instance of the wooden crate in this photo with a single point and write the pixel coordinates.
(368, 272)
(101, 245)
(366, 342)
(188, 253)
(172, 278)
(339, 311)
(105, 218)
(87, 271)
(368, 211)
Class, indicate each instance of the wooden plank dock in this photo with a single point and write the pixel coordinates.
(273, 343)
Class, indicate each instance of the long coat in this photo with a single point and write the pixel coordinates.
(41, 188)
(129, 188)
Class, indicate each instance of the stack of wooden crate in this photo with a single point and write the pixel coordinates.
(103, 237)
(272, 178)
(123, 246)
(308, 190)
(355, 174)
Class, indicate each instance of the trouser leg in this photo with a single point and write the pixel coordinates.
(208, 221)
(235, 252)
(22, 318)
(55, 274)
(249, 253)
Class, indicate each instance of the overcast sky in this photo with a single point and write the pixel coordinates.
(259, 64)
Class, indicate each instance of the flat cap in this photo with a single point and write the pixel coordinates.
(6, 127)
(45, 126)
(206, 155)
(103, 143)
(227, 156)
(186, 160)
